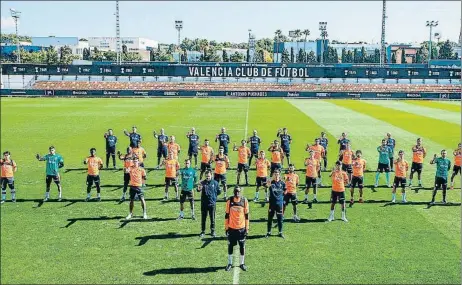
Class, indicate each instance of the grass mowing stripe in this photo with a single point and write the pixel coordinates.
(451, 102)
(450, 117)
(444, 133)
(366, 133)
(437, 105)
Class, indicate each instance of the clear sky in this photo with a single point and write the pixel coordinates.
(230, 20)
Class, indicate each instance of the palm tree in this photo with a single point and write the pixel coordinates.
(305, 32)
(277, 36)
(297, 34)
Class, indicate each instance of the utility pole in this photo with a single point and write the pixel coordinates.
(430, 24)
(16, 15)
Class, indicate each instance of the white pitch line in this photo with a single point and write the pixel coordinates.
(236, 270)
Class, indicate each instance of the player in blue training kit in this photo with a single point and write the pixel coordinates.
(162, 150)
(324, 142)
(286, 140)
(135, 138)
(111, 142)
(443, 165)
(54, 162)
(193, 149)
(276, 189)
(391, 143)
(223, 139)
(384, 163)
(343, 141)
(255, 142)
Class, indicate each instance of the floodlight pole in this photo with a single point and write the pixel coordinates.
(178, 27)
(430, 24)
(16, 15)
(119, 55)
(323, 29)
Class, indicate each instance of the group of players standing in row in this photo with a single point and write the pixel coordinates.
(279, 190)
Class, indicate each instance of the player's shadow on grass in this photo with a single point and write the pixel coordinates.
(209, 240)
(183, 270)
(443, 205)
(288, 220)
(102, 218)
(141, 220)
(388, 203)
(145, 239)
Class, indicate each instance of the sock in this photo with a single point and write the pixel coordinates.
(266, 195)
(60, 194)
(47, 194)
(393, 196)
(98, 195)
(192, 212)
(241, 259)
(3, 196)
(230, 259)
(13, 194)
(332, 213)
(314, 196)
(420, 182)
(452, 183)
(166, 195)
(387, 176)
(88, 195)
(377, 178)
(343, 213)
(181, 214)
(306, 196)
(404, 196)
(257, 194)
(144, 212)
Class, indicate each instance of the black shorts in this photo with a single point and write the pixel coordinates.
(275, 166)
(278, 208)
(135, 190)
(338, 196)
(193, 151)
(456, 170)
(111, 150)
(242, 167)
(310, 181)
(325, 153)
(383, 167)
(440, 182)
(357, 181)
(7, 181)
(126, 178)
(347, 168)
(162, 152)
(170, 181)
(205, 166)
(416, 167)
(286, 152)
(290, 198)
(235, 236)
(186, 195)
(262, 181)
(220, 178)
(92, 178)
(254, 152)
(225, 150)
(399, 181)
(55, 178)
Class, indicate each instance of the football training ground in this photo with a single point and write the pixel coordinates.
(90, 242)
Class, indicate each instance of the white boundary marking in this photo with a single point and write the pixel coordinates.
(236, 270)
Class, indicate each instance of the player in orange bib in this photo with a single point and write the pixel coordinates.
(262, 165)
(346, 157)
(359, 166)
(206, 157)
(171, 173)
(221, 165)
(401, 168)
(172, 146)
(140, 153)
(128, 161)
(8, 169)
(313, 167)
(319, 154)
(137, 180)
(457, 164)
(290, 196)
(339, 179)
(242, 165)
(418, 155)
(94, 165)
(277, 157)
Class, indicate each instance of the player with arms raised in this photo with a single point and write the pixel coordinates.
(95, 164)
(54, 162)
(457, 163)
(111, 142)
(135, 138)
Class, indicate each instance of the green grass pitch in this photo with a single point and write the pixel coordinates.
(89, 242)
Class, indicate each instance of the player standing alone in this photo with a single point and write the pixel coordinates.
(54, 162)
(188, 182)
(443, 165)
(236, 226)
(457, 163)
(193, 145)
(243, 153)
(8, 169)
(401, 168)
(94, 166)
(418, 155)
(111, 142)
(339, 179)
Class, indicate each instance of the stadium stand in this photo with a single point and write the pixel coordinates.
(240, 86)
